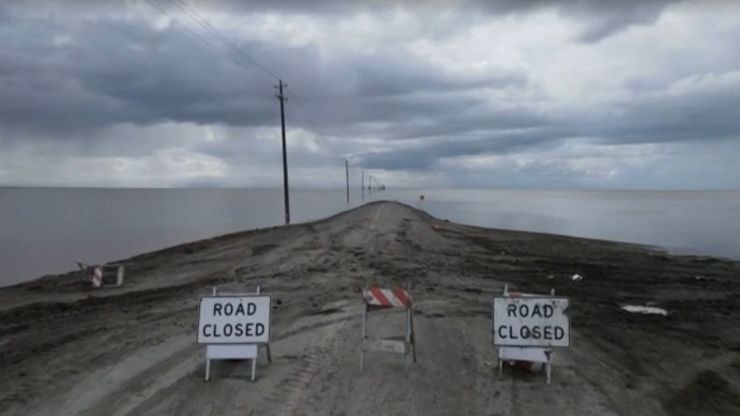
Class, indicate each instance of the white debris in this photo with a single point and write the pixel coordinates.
(699, 277)
(552, 276)
(576, 277)
(646, 310)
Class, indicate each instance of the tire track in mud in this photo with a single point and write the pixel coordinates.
(293, 395)
(88, 339)
(331, 249)
(164, 381)
(290, 390)
(317, 267)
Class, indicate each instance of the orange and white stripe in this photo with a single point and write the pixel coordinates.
(97, 276)
(387, 298)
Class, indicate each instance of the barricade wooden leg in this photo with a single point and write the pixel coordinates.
(254, 366)
(411, 350)
(119, 275)
(413, 335)
(208, 369)
(549, 367)
(269, 355)
(500, 368)
(364, 331)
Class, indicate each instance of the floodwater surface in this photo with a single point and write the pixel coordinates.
(44, 230)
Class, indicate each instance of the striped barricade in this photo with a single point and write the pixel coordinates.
(375, 298)
(387, 298)
(94, 273)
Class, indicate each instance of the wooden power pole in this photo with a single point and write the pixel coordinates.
(282, 99)
(346, 170)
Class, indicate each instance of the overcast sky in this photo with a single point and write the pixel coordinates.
(465, 93)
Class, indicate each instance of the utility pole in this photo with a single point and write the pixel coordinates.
(282, 99)
(346, 170)
(362, 184)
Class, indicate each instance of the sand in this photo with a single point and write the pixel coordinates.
(67, 349)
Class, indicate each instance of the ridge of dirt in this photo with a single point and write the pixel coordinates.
(131, 350)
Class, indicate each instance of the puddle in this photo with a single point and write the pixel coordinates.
(647, 310)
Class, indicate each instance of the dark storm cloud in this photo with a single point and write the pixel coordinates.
(600, 18)
(475, 119)
(609, 18)
(425, 155)
(107, 72)
(114, 72)
(706, 115)
(69, 78)
(388, 75)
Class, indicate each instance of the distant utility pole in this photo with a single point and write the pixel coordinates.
(282, 99)
(346, 170)
(362, 184)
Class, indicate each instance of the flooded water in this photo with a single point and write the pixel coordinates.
(44, 230)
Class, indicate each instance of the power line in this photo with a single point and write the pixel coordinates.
(205, 24)
(300, 109)
(199, 37)
(210, 28)
(297, 102)
(302, 113)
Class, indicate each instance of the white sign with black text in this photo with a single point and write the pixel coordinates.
(531, 321)
(234, 319)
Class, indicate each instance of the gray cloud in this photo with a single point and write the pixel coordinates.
(122, 72)
(113, 72)
(426, 155)
(600, 18)
(703, 114)
(100, 85)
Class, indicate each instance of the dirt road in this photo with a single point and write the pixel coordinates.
(66, 349)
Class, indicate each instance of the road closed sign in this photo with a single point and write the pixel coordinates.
(531, 321)
(234, 320)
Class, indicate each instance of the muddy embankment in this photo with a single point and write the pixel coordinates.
(66, 349)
